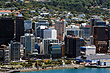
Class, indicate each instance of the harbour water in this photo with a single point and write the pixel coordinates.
(81, 70)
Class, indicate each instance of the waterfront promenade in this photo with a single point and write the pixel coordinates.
(51, 68)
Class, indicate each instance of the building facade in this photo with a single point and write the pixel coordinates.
(6, 30)
(19, 27)
(22, 40)
(55, 50)
(39, 31)
(50, 33)
(72, 46)
(86, 30)
(46, 43)
(15, 51)
(88, 50)
(60, 26)
(77, 32)
(100, 38)
(63, 50)
(27, 25)
(42, 23)
(29, 44)
(92, 23)
(4, 54)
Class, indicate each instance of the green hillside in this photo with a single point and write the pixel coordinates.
(75, 6)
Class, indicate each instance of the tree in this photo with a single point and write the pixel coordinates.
(68, 62)
(30, 63)
(23, 64)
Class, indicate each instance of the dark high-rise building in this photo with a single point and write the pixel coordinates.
(100, 38)
(92, 23)
(72, 46)
(109, 32)
(19, 27)
(6, 30)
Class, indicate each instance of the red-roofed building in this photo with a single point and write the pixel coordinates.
(109, 10)
(77, 24)
(5, 12)
(87, 26)
(92, 6)
(95, 6)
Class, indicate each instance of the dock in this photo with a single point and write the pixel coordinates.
(97, 66)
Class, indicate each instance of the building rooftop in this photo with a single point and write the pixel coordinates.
(95, 57)
(27, 34)
(42, 27)
(69, 36)
(5, 11)
(3, 47)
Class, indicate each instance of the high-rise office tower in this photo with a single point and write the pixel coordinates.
(15, 51)
(46, 43)
(29, 44)
(72, 46)
(60, 26)
(100, 38)
(55, 50)
(50, 33)
(39, 31)
(6, 30)
(19, 27)
(92, 23)
(27, 25)
(77, 32)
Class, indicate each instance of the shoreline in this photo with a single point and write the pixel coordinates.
(54, 68)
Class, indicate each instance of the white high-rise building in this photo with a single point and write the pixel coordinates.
(50, 33)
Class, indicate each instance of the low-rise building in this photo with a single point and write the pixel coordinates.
(93, 58)
(5, 12)
(4, 54)
(88, 50)
(104, 62)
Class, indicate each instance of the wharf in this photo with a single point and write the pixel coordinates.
(97, 66)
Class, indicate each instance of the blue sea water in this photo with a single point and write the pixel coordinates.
(81, 70)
